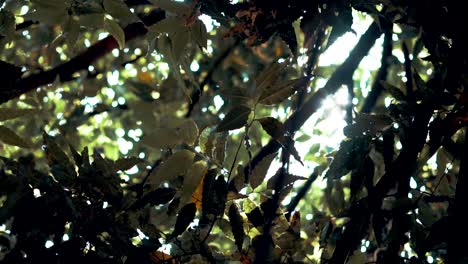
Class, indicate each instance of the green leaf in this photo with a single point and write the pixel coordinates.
(236, 118)
(12, 113)
(7, 24)
(172, 6)
(199, 34)
(49, 11)
(259, 172)
(179, 41)
(279, 92)
(9, 137)
(177, 164)
(119, 10)
(116, 31)
(61, 166)
(172, 132)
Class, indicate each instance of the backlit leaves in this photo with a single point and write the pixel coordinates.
(9, 137)
(177, 164)
(116, 31)
(236, 118)
(259, 172)
(12, 113)
(172, 132)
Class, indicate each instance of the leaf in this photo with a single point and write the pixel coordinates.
(206, 141)
(49, 11)
(237, 225)
(119, 10)
(172, 6)
(393, 90)
(12, 113)
(173, 132)
(61, 166)
(179, 41)
(236, 118)
(268, 77)
(9, 137)
(259, 172)
(115, 31)
(7, 24)
(184, 218)
(288, 179)
(159, 196)
(192, 179)
(219, 151)
(177, 164)
(348, 157)
(279, 92)
(367, 124)
(199, 34)
(274, 128)
(124, 164)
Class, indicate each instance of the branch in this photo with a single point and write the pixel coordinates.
(377, 88)
(456, 252)
(341, 75)
(66, 70)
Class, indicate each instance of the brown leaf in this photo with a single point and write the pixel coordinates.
(184, 218)
(259, 172)
(236, 118)
(237, 225)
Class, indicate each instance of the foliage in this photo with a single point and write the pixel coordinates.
(161, 131)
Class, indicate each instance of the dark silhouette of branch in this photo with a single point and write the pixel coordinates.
(341, 75)
(301, 194)
(377, 88)
(456, 251)
(66, 70)
(408, 72)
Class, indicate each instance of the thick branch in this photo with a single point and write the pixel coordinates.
(341, 75)
(66, 70)
(377, 88)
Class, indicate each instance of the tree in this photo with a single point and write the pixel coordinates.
(160, 131)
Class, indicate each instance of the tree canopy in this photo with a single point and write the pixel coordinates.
(215, 131)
